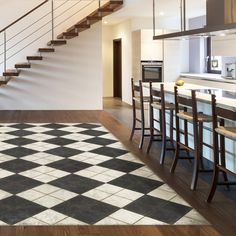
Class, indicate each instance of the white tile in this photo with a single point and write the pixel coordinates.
(103, 178)
(4, 158)
(149, 221)
(40, 137)
(126, 216)
(31, 221)
(193, 214)
(179, 200)
(31, 195)
(114, 173)
(108, 136)
(53, 158)
(45, 178)
(142, 173)
(30, 173)
(108, 188)
(167, 188)
(58, 173)
(38, 129)
(40, 146)
(44, 169)
(102, 158)
(159, 193)
(96, 194)
(155, 177)
(4, 146)
(63, 194)
(97, 169)
(4, 194)
(85, 173)
(88, 154)
(46, 188)
(92, 161)
(129, 194)
(117, 201)
(78, 158)
(130, 157)
(5, 173)
(110, 221)
(50, 217)
(70, 221)
(48, 201)
(188, 221)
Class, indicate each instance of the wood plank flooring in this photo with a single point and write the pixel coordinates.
(221, 213)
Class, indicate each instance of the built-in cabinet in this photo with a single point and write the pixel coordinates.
(144, 48)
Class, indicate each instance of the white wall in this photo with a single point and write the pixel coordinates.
(107, 61)
(69, 79)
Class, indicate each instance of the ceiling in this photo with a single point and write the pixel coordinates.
(164, 8)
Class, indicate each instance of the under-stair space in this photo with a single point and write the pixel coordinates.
(61, 39)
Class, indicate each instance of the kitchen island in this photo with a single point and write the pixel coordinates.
(224, 98)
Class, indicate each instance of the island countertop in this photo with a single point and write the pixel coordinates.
(224, 98)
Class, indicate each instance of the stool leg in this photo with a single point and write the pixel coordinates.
(222, 158)
(214, 183)
(142, 128)
(201, 145)
(151, 129)
(172, 127)
(134, 121)
(176, 157)
(163, 136)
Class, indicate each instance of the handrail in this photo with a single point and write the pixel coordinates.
(29, 12)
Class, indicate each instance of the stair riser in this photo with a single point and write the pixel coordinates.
(34, 58)
(47, 50)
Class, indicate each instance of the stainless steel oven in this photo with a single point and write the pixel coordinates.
(152, 71)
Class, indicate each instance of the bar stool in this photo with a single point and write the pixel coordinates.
(157, 101)
(138, 100)
(197, 119)
(221, 131)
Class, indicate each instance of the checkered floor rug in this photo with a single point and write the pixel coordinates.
(78, 174)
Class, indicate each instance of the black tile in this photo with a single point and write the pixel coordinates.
(93, 132)
(21, 126)
(21, 132)
(136, 183)
(64, 151)
(18, 165)
(15, 209)
(87, 126)
(69, 165)
(159, 209)
(54, 126)
(100, 141)
(20, 141)
(60, 141)
(121, 165)
(17, 183)
(85, 209)
(110, 152)
(56, 133)
(75, 183)
(18, 152)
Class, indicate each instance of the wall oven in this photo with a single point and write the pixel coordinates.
(152, 71)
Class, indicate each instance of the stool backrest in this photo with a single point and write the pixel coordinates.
(137, 92)
(157, 95)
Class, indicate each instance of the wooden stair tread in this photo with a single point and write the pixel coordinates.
(34, 58)
(46, 50)
(56, 42)
(11, 72)
(22, 65)
(67, 35)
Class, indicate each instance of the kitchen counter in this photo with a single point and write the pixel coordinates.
(224, 98)
(208, 77)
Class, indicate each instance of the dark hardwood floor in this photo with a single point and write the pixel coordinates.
(220, 213)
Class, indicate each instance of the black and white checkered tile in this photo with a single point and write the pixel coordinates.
(80, 174)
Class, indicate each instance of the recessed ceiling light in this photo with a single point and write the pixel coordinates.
(105, 22)
(161, 13)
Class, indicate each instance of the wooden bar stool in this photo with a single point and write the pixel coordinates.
(138, 100)
(157, 101)
(190, 114)
(221, 131)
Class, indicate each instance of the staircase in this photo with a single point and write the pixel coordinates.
(61, 39)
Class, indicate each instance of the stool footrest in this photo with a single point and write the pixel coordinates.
(226, 183)
(185, 158)
(206, 171)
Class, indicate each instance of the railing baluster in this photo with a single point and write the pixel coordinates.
(52, 20)
(154, 18)
(5, 50)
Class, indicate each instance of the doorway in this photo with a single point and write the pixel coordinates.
(117, 68)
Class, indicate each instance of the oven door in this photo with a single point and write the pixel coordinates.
(152, 73)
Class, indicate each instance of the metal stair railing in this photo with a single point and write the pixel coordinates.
(66, 7)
